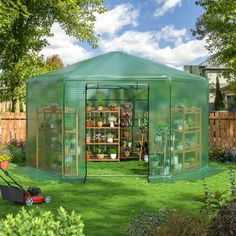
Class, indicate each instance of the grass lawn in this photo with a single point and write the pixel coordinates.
(107, 203)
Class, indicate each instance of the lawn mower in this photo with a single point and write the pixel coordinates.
(14, 192)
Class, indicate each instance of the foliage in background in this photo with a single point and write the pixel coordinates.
(39, 222)
(54, 62)
(25, 30)
(224, 223)
(217, 25)
(223, 154)
(17, 151)
(219, 104)
(146, 223)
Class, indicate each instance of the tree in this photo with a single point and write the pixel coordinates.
(217, 25)
(25, 30)
(54, 62)
(219, 105)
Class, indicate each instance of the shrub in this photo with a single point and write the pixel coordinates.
(223, 154)
(146, 223)
(18, 151)
(177, 224)
(224, 223)
(36, 222)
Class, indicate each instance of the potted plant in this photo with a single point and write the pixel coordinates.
(110, 137)
(88, 106)
(127, 153)
(88, 137)
(88, 154)
(89, 122)
(113, 153)
(98, 137)
(112, 120)
(100, 100)
(4, 161)
(100, 152)
(100, 121)
(112, 106)
(126, 133)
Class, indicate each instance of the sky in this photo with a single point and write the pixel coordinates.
(159, 30)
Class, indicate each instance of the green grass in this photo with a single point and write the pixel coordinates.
(117, 168)
(106, 204)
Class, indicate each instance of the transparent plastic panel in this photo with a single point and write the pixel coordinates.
(159, 129)
(44, 125)
(74, 132)
(189, 121)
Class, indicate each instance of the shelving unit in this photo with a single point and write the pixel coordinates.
(49, 136)
(186, 155)
(105, 129)
(71, 137)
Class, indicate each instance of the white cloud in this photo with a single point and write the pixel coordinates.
(112, 21)
(147, 44)
(164, 6)
(65, 46)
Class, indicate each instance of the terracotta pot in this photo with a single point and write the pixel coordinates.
(88, 139)
(127, 154)
(126, 135)
(4, 165)
(88, 156)
(89, 124)
(88, 108)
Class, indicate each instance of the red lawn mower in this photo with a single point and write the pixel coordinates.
(14, 192)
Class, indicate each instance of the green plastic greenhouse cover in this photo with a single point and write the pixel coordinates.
(174, 103)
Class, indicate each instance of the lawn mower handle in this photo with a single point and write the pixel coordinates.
(9, 184)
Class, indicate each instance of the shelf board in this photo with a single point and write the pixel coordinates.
(102, 111)
(103, 127)
(102, 143)
(103, 159)
(193, 149)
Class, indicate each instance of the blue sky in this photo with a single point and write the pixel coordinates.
(159, 30)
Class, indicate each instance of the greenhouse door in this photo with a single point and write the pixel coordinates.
(117, 129)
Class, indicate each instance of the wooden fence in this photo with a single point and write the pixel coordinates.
(222, 129)
(12, 126)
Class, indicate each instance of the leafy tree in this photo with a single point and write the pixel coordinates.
(54, 62)
(25, 30)
(217, 25)
(219, 105)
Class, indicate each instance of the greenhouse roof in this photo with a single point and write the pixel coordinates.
(117, 65)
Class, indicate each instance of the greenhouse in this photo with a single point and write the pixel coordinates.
(113, 108)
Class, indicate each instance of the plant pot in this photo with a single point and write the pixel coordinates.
(100, 123)
(100, 156)
(88, 139)
(88, 108)
(88, 156)
(112, 124)
(4, 165)
(180, 128)
(110, 140)
(100, 108)
(126, 135)
(127, 154)
(145, 158)
(89, 124)
(112, 108)
(113, 156)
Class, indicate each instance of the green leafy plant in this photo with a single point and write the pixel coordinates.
(112, 119)
(100, 150)
(110, 135)
(36, 222)
(100, 98)
(88, 103)
(112, 150)
(99, 118)
(4, 158)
